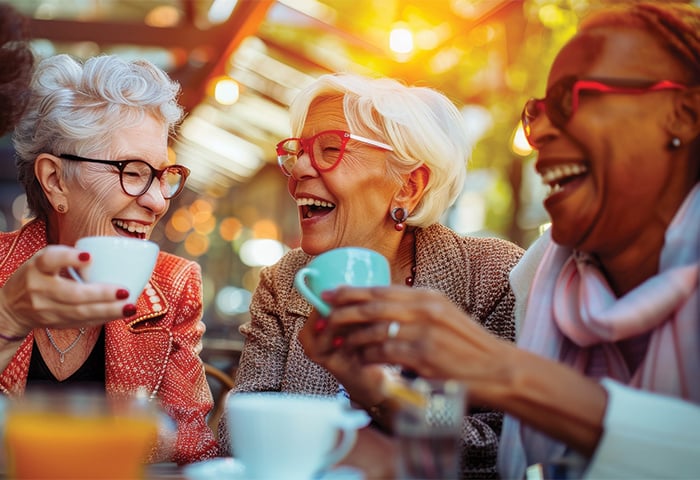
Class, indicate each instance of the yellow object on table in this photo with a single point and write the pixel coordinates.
(78, 438)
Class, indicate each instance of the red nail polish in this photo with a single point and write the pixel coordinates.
(84, 256)
(122, 293)
(320, 325)
(129, 310)
(338, 342)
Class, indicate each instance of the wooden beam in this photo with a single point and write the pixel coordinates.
(221, 41)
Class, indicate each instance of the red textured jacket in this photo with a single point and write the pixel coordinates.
(157, 348)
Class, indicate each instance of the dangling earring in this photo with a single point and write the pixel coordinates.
(61, 208)
(399, 215)
(674, 144)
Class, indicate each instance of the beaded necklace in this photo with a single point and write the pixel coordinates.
(62, 353)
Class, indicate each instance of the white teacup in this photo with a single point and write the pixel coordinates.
(123, 261)
(290, 436)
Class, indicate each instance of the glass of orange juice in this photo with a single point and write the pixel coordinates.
(79, 435)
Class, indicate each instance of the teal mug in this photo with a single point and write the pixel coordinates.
(355, 266)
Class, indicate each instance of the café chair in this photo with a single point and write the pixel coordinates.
(224, 382)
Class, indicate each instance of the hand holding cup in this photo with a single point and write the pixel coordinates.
(118, 260)
(354, 266)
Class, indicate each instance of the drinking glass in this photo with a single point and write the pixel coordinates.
(79, 435)
(428, 426)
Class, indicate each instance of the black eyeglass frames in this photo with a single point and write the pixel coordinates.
(136, 176)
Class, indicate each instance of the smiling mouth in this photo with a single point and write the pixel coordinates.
(556, 178)
(131, 229)
(312, 207)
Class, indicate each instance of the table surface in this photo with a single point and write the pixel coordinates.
(164, 471)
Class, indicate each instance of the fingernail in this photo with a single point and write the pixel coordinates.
(84, 256)
(338, 342)
(122, 293)
(320, 325)
(129, 310)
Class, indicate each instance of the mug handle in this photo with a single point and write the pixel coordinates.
(300, 283)
(76, 276)
(348, 424)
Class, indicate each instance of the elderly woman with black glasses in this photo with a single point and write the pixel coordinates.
(374, 164)
(92, 155)
(606, 381)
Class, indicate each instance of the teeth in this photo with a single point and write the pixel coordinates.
(314, 203)
(554, 188)
(555, 174)
(132, 227)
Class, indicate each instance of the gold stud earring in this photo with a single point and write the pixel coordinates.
(61, 208)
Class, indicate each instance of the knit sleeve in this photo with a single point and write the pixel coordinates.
(261, 366)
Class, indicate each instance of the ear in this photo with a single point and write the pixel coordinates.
(685, 123)
(49, 173)
(413, 188)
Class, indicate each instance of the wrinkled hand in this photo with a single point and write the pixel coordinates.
(361, 380)
(39, 294)
(436, 339)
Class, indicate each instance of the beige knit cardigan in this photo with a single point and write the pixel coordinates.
(471, 271)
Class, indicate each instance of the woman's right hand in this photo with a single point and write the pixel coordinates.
(40, 294)
(362, 381)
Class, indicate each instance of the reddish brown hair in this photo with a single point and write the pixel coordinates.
(675, 24)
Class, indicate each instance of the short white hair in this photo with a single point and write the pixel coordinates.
(422, 125)
(74, 108)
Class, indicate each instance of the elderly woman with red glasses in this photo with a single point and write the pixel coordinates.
(607, 377)
(376, 164)
(92, 156)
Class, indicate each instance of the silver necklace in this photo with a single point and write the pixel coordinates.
(62, 353)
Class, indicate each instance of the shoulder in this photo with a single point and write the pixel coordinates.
(172, 271)
(475, 251)
(18, 246)
(286, 267)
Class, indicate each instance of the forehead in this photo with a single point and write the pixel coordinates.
(325, 113)
(618, 52)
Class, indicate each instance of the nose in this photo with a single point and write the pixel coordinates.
(153, 198)
(542, 130)
(303, 167)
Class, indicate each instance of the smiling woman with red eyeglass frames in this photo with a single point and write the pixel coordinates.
(374, 163)
(604, 381)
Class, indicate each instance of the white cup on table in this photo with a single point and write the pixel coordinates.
(123, 261)
(290, 436)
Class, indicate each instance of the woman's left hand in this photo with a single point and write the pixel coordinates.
(430, 335)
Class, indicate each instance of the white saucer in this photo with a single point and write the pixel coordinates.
(232, 469)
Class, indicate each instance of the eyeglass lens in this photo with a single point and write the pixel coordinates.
(137, 176)
(557, 105)
(325, 150)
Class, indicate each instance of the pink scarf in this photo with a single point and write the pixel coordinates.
(574, 317)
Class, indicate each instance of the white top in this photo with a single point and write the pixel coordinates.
(646, 435)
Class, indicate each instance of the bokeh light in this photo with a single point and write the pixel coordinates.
(261, 252)
(265, 228)
(232, 300)
(401, 40)
(230, 228)
(196, 244)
